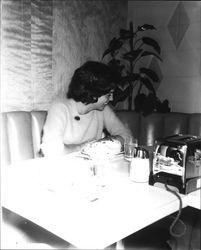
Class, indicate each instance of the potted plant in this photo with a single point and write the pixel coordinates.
(126, 51)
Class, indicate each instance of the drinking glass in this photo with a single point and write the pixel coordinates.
(100, 172)
(130, 144)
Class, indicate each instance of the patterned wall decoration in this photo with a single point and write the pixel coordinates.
(178, 24)
(43, 41)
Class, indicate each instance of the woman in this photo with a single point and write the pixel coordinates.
(84, 114)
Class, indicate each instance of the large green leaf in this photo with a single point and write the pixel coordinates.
(117, 68)
(132, 77)
(106, 52)
(114, 39)
(120, 95)
(125, 34)
(149, 53)
(151, 42)
(146, 27)
(132, 55)
(147, 83)
(150, 73)
(116, 65)
(115, 44)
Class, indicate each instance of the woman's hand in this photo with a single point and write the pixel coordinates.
(76, 147)
(116, 137)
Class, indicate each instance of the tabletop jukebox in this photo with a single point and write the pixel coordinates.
(177, 162)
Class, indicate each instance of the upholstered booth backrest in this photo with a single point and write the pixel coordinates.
(156, 125)
(21, 131)
(21, 135)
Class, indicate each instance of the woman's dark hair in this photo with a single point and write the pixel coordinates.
(90, 81)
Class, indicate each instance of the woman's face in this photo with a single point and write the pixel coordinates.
(103, 100)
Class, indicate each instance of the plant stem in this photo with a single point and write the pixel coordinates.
(140, 87)
(131, 68)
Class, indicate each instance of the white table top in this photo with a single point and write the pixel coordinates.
(42, 191)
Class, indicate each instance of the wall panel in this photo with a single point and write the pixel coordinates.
(43, 41)
(16, 85)
(178, 32)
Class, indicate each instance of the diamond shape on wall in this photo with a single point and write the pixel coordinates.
(178, 24)
(156, 68)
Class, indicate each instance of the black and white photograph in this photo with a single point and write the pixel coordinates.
(100, 124)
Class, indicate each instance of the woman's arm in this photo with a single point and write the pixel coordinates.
(118, 137)
(115, 126)
(73, 147)
(53, 130)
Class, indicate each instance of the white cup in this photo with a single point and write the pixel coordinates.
(139, 170)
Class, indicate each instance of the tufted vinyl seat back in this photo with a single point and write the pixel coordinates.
(21, 135)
